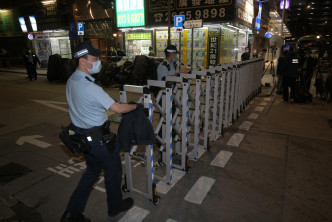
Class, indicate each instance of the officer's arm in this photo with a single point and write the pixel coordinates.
(122, 108)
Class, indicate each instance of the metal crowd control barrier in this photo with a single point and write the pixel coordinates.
(165, 125)
(148, 157)
(224, 93)
(195, 88)
(180, 120)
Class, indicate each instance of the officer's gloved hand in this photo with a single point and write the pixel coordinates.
(138, 105)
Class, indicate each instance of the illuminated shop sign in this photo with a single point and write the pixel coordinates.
(130, 13)
(258, 18)
(135, 36)
(268, 35)
(282, 4)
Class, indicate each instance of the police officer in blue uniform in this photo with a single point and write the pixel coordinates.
(168, 66)
(88, 104)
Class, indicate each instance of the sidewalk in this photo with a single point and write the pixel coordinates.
(41, 71)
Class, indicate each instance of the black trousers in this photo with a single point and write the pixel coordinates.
(97, 160)
(288, 82)
(32, 72)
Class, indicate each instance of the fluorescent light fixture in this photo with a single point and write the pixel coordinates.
(22, 23)
(48, 2)
(33, 23)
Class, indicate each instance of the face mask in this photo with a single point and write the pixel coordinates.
(95, 68)
(175, 59)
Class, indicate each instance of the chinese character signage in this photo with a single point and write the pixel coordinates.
(207, 10)
(214, 38)
(130, 13)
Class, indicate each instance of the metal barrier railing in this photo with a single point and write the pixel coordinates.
(193, 109)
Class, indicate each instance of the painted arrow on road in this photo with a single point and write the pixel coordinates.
(32, 140)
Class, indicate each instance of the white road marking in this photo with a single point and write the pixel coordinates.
(163, 187)
(246, 125)
(135, 214)
(201, 151)
(171, 220)
(51, 104)
(221, 159)
(262, 104)
(32, 140)
(235, 140)
(259, 108)
(200, 189)
(267, 99)
(253, 116)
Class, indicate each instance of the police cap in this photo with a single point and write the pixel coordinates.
(170, 49)
(86, 47)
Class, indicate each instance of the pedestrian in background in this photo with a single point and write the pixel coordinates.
(151, 52)
(112, 55)
(307, 64)
(88, 104)
(289, 71)
(279, 72)
(246, 55)
(30, 61)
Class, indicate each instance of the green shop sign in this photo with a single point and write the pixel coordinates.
(136, 36)
(130, 13)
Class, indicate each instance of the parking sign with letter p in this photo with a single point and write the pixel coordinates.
(80, 28)
(178, 20)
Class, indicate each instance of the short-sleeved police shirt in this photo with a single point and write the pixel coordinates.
(163, 70)
(87, 101)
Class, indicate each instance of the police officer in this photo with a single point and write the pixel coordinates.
(88, 104)
(168, 66)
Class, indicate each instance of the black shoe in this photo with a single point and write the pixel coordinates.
(69, 217)
(126, 205)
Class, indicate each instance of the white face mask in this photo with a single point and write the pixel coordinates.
(96, 67)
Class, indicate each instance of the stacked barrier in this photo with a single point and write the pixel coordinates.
(191, 110)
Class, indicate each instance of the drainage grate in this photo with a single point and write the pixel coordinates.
(12, 171)
(329, 121)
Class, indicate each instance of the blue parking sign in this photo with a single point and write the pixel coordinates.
(80, 28)
(178, 21)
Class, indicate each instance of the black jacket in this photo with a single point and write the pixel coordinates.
(281, 58)
(290, 65)
(135, 129)
(35, 59)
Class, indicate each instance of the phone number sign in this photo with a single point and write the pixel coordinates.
(207, 10)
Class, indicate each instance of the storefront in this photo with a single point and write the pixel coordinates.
(50, 43)
(222, 39)
(138, 43)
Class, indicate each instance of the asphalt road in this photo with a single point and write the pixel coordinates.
(277, 167)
